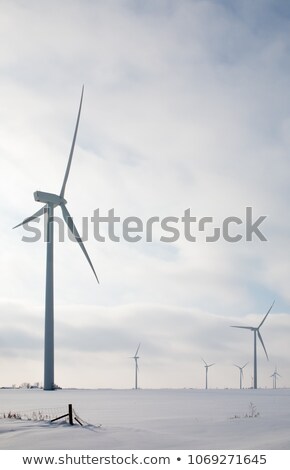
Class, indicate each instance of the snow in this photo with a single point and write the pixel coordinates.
(149, 419)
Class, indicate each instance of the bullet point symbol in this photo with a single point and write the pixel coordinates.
(178, 458)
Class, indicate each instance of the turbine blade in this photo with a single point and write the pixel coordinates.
(260, 338)
(244, 327)
(211, 365)
(266, 315)
(204, 362)
(72, 147)
(245, 365)
(137, 349)
(34, 216)
(68, 219)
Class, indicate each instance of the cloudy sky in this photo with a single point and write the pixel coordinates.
(186, 106)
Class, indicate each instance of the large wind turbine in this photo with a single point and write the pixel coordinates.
(136, 357)
(256, 331)
(275, 375)
(241, 373)
(206, 371)
(50, 202)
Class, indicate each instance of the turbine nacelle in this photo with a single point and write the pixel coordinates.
(49, 198)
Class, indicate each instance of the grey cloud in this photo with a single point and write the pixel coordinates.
(17, 340)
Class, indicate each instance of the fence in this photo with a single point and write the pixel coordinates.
(66, 414)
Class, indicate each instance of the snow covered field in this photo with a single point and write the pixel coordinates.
(150, 419)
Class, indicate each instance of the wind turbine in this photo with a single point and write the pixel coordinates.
(136, 357)
(206, 371)
(274, 375)
(256, 331)
(51, 201)
(241, 373)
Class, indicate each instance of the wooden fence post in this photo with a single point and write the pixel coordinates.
(70, 414)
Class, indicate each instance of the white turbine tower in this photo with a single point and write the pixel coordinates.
(241, 373)
(256, 331)
(51, 201)
(275, 375)
(206, 371)
(136, 357)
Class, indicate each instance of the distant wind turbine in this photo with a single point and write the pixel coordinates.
(275, 375)
(256, 331)
(50, 202)
(206, 371)
(136, 357)
(241, 373)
